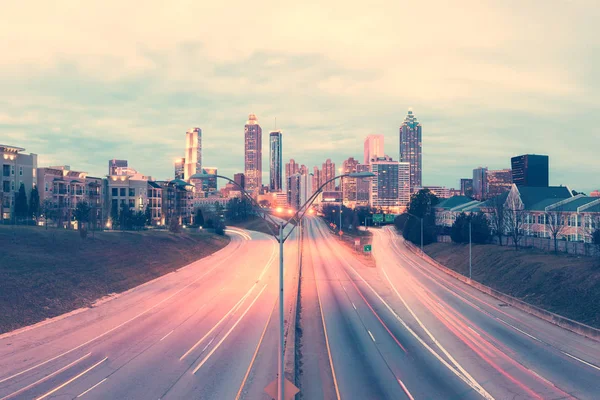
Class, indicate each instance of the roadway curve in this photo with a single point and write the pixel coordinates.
(406, 330)
(208, 330)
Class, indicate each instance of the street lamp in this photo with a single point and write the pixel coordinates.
(281, 240)
(421, 218)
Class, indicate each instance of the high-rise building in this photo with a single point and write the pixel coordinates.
(239, 178)
(179, 166)
(390, 187)
(193, 152)
(363, 186)
(114, 164)
(498, 182)
(275, 179)
(466, 187)
(480, 183)
(348, 185)
(316, 178)
(373, 148)
(411, 146)
(303, 170)
(441, 192)
(209, 185)
(299, 189)
(530, 170)
(253, 154)
(327, 173)
(291, 168)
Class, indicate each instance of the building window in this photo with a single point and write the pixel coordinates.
(20, 171)
(12, 185)
(6, 186)
(12, 169)
(131, 192)
(122, 192)
(5, 170)
(115, 192)
(131, 203)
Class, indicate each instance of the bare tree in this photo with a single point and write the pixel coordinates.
(497, 217)
(514, 218)
(555, 222)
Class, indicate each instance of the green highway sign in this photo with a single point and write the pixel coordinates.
(377, 217)
(367, 248)
(389, 217)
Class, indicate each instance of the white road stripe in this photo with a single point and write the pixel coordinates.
(208, 344)
(353, 306)
(71, 380)
(164, 337)
(45, 378)
(473, 330)
(581, 361)
(93, 387)
(370, 334)
(517, 329)
(405, 390)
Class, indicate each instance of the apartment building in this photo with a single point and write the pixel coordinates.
(17, 168)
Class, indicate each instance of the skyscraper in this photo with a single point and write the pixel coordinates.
(316, 184)
(291, 168)
(480, 183)
(253, 154)
(327, 173)
(390, 188)
(466, 187)
(373, 148)
(193, 152)
(349, 184)
(179, 168)
(275, 181)
(498, 182)
(411, 149)
(530, 170)
(363, 186)
(239, 178)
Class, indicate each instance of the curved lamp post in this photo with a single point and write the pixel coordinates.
(281, 240)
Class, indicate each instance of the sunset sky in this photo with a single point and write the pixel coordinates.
(84, 82)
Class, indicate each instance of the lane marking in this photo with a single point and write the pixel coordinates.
(72, 379)
(93, 387)
(581, 361)
(464, 376)
(164, 337)
(354, 306)
(241, 233)
(45, 378)
(370, 334)
(517, 329)
(208, 344)
(405, 390)
(233, 309)
(239, 393)
(474, 331)
(229, 332)
(118, 326)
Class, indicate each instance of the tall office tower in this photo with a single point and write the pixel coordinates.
(363, 186)
(114, 164)
(349, 184)
(498, 182)
(327, 173)
(466, 187)
(253, 154)
(239, 178)
(390, 188)
(480, 183)
(275, 181)
(291, 168)
(179, 168)
(530, 170)
(193, 152)
(316, 179)
(373, 148)
(411, 146)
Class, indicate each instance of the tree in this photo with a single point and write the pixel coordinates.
(48, 210)
(34, 203)
(148, 215)
(199, 219)
(459, 233)
(174, 225)
(114, 215)
(514, 221)
(497, 217)
(555, 222)
(421, 206)
(21, 209)
(138, 220)
(82, 216)
(596, 240)
(480, 229)
(400, 221)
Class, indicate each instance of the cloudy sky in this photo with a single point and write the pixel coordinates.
(84, 82)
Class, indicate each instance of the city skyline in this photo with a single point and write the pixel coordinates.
(479, 90)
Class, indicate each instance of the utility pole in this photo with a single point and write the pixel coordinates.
(281, 382)
(470, 258)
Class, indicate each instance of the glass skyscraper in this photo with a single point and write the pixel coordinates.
(275, 181)
(411, 149)
(253, 154)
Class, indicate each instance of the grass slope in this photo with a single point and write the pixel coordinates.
(564, 284)
(45, 273)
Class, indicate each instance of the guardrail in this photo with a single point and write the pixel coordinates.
(559, 320)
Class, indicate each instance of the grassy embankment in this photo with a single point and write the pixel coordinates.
(563, 284)
(45, 273)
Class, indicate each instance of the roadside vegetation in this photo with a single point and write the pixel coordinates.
(45, 273)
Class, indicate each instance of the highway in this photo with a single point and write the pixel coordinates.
(208, 330)
(404, 329)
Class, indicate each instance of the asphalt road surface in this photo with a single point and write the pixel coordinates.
(206, 331)
(404, 329)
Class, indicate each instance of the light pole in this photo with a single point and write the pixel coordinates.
(281, 238)
(470, 263)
